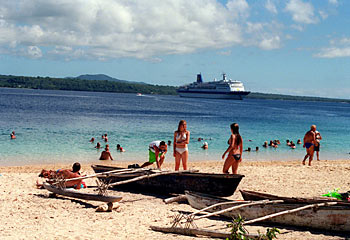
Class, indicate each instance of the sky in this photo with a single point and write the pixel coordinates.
(296, 47)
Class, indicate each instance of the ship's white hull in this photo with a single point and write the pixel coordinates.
(238, 96)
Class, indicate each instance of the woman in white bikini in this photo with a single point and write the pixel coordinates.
(234, 150)
(181, 139)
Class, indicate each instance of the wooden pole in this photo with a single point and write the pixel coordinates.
(289, 212)
(197, 232)
(237, 207)
(147, 176)
(179, 198)
(218, 204)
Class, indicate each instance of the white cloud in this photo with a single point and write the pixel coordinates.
(103, 29)
(302, 12)
(338, 48)
(238, 8)
(270, 6)
(323, 14)
(334, 2)
(33, 52)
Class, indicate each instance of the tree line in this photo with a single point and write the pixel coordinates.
(74, 84)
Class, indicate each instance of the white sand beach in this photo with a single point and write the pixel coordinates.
(29, 213)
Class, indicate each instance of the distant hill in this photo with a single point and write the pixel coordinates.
(104, 77)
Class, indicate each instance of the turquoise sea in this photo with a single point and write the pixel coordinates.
(56, 126)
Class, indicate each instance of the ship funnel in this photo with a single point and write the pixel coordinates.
(199, 78)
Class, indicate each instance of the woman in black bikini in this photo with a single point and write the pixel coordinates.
(234, 150)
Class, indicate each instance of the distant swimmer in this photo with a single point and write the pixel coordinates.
(169, 143)
(120, 148)
(98, 145)
(92, 140)
(13, 135)
(181, 140)
(317, 144)
(106, 138)
(299, 141)
(248, 149)
(265, 144)
(106, 154)
(288, 142)
(309, 143)
(234, 150)
(257, 149)
(156, 153)
(205, 145)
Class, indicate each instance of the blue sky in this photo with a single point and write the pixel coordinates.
(296, 47)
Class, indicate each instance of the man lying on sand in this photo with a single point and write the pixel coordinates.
(65, 174)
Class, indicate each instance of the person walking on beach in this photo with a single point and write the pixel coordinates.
(181, 139)
(157, 151)
(317, 144)
(309, 143)
(234, 150)
(106, 154)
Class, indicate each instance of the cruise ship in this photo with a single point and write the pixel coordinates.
(225, 88)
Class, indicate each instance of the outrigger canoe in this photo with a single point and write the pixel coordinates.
(333, 218)
(81, 195)
(176, 182)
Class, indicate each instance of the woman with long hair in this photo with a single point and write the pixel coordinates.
(181, 139)
(234, 150)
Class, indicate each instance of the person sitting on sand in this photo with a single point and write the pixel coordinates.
(13, 135)
(65, 174)
(309, 143)
(156, 151)
(106, 154)
(120, 148)
(205, 145)
(234, 150)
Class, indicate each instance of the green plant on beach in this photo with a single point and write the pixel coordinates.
(239, 232)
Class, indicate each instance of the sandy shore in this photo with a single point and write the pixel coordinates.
(29, 213)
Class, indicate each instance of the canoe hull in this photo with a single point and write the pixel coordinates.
(217, 184)
(333, 218)
(80, 195)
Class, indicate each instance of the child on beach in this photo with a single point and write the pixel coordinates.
(234, 150)
(181, 139)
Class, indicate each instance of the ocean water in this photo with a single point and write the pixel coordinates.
(56, 126)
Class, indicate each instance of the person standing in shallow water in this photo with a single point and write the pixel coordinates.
(181, 139)
(234, 150)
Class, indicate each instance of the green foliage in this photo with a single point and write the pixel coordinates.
(75, 84)
(239, 232)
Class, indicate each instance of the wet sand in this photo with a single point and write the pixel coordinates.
(29, 213)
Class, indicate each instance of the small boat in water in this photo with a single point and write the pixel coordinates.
(174, 182)
(222, 89)
(334, 218)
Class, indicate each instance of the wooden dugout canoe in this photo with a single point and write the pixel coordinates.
(218, 184)
(81, 195)
(256, 196)
(333, 218)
